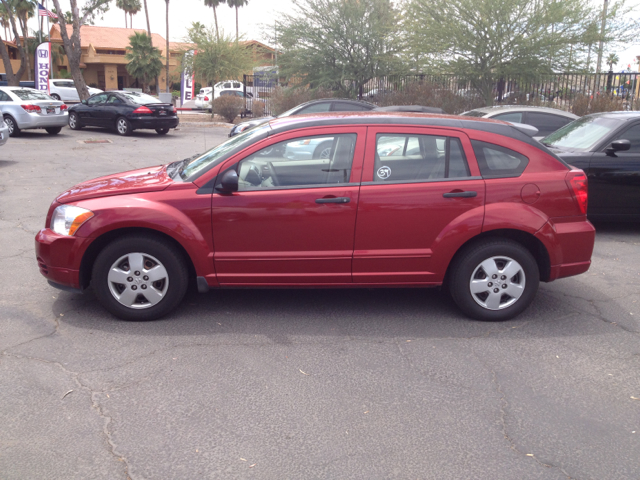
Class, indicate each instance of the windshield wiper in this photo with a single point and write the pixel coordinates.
(179, 166)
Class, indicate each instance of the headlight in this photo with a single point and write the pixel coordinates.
(67, 219)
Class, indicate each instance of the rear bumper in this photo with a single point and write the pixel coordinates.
(59, 257)
(155, 122)
(570, 246)
(36, 120)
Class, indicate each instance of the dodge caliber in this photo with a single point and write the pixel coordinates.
(400, 199)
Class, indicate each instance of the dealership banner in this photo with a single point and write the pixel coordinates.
(43, 66)
(187, 85)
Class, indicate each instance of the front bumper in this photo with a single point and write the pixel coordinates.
(4, 133)
(155, 122)
(60, 256)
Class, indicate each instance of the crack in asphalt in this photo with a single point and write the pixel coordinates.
(504, 404)
(95, 405)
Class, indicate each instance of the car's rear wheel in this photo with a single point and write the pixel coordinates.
(123, 126)
(162, 131)
(14, 131)
(140, 278)
(53, 130)
(494, 280)
(323, 151)
(74, 121)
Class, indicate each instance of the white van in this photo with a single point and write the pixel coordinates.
(205, 97)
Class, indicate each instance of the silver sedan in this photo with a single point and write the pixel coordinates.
(25, 108)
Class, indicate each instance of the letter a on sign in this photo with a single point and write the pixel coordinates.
(43, 66)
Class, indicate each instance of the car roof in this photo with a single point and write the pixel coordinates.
(496, 109)
(619, 115)
(347, 100)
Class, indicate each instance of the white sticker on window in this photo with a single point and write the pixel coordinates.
(384, 173)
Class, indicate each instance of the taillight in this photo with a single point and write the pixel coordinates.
(206, 99)
(577, 182)
(143, 110)
(31, 108)
(63, 107)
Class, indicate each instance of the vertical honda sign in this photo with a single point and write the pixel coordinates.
(187, 85)
(43, 66)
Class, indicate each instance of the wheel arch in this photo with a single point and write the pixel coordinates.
(526, 239)
(92, 252)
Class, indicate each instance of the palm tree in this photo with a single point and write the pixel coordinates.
(4, 20)
(214, 4)
(612, 60)
(130, 7)
(236, 4)
(144, 59)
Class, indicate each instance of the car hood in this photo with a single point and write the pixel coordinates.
(135, 181)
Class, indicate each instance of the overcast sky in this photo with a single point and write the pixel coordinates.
(252, 19)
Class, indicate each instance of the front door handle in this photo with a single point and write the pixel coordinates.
(333, 200)
(460, 194)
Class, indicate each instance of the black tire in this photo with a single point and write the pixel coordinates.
(14, 131)
(323, 150)
(492, 300)
(74, 121)
(53, 130)
(162, 131)
(123, 126)
(154, 251)
(56, 96)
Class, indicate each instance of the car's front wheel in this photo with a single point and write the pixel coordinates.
(494, 280)
(14, 131)
(162, 131)
(55, 96)
(123, 126)
(53, 130)
(74, 121)
(140, 277)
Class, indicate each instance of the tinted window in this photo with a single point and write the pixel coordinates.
(582, 134)
(96, 99)
(4, 97)
(315, 108)
(28, 94)
(546, 123)
(418, 157)
(113, 100)
(349, 107)
(498, 162)
(139, 98)
(305, 161)
(509, 117)
(474, 113)
(633, 135)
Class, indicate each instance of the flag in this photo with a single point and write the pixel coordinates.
(43, 12)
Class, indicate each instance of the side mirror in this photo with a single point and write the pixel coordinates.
(84, 102)
(228, 183)
(619, 146)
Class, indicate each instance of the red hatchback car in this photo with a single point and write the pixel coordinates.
(331, 200)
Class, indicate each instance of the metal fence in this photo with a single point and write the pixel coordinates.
(567, 91)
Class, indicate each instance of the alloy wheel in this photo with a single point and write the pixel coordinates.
(138, 280)
(497, 283)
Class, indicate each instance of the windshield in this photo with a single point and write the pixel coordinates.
(31, 95)
(140, 98)
(217, 154)
(474, 113)
(582, 134)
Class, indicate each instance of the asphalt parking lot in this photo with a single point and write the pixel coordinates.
(278, 384)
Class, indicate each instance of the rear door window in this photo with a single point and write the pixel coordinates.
(509, 117)
(498, 162)
(409, 158)
(546, 123)
(349, 107)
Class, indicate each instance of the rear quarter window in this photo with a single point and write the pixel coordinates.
(498, 162)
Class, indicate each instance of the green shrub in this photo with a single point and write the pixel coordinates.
(585, 104)
(257, 108)
(283, 99)
(432, 95)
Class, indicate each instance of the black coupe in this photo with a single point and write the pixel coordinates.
(125, 111)
(607, 147)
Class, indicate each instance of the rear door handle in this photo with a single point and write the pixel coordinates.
(460, 194)
(333, 200)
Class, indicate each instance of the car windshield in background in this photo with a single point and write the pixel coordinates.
(140, 98)
(474, 113)
(214, 156)
(582, 134)
(31, 95)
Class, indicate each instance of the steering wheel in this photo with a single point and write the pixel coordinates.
(272, 174)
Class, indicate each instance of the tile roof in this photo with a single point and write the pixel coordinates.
(113, 37)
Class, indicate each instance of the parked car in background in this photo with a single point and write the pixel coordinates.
(125, 112)
(546, 120)
(26, 108)
(226, 86)
(313, 106)
(607, 147)
(204, 97)
(4, 133)
(474, 201)
(66, 91)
